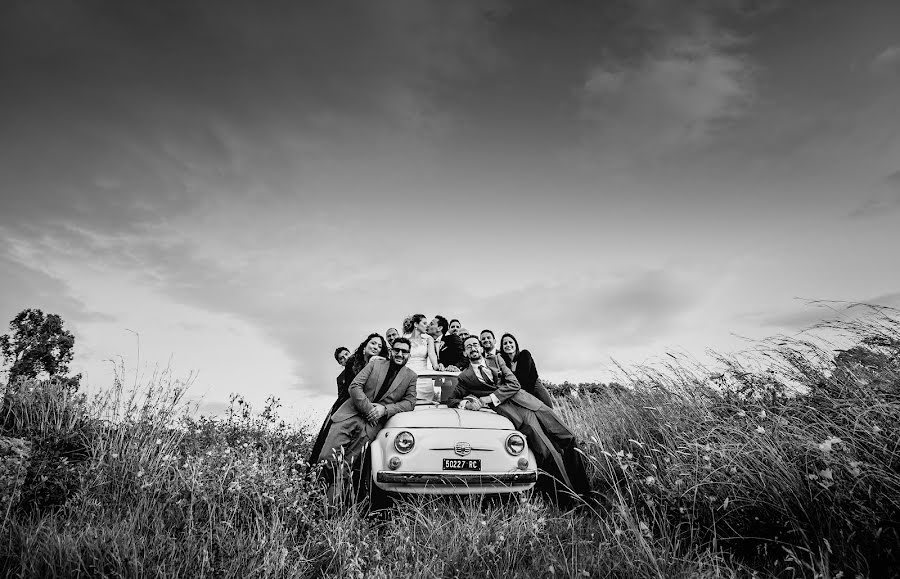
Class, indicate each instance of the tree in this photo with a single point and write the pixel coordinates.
(36, 344)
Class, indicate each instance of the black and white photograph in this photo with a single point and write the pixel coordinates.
(450, 288)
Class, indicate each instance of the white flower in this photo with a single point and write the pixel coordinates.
(741, 413)
(159, 441)
(826, 445)
(650, 480)
(573, 393)
(826, 474)
(760, 430)
(876, 429)
(762, 413)
(854, 468)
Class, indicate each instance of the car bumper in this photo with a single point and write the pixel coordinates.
(455, 483)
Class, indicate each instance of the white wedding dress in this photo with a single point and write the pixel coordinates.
(418, 363)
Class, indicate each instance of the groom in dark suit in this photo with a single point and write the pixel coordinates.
(449, 347)
(380, 390)
(553, 444)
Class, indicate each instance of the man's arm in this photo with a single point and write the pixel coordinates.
(509, 384)
(459, 392)
(407, 403)
(360, 401)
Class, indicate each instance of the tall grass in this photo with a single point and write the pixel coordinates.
(786, 464)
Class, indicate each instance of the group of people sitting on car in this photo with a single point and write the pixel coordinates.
(380, 379)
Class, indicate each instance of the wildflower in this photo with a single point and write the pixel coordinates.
(762, 413)
(620, 453)
(741, 413)
(159, 441)
(828, 443)
(876, 429)
(573, 393)
(732, 470)
(812, 477)
(760, 430)
(140, 473)
(826, 474)
(645, 529)
(706, 457)
(854, 468)
(725, 504)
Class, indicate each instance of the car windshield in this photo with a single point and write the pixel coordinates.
(444, 385)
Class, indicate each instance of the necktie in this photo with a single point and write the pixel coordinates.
(486, 375)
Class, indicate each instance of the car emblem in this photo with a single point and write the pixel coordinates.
(462, 448)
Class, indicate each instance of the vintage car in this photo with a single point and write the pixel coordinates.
(439, 450)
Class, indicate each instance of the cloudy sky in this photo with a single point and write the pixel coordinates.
(246, 185)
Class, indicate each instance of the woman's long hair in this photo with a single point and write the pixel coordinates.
(358, 360)
(410, 322)
(506, 357)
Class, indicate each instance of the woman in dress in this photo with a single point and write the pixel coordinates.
(373, 346)
(522, 365)
(422, 356)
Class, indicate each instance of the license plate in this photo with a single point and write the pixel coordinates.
(462, 464)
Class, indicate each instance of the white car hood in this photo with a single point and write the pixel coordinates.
(432, 417)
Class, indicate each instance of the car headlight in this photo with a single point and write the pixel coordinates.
(404, 442)
(515, 444)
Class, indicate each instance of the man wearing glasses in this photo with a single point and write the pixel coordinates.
(563, 472)
(380, 390)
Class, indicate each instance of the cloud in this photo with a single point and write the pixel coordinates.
(578, 324)
(676, 97)
(884, 200)
(887, 63)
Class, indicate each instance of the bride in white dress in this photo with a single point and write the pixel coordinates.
(422, 356)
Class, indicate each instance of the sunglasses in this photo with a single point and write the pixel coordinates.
(400, 350)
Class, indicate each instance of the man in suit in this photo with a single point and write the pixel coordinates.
(390, 335)
(449, 348)
(380, 390)
(341, 355)
(553, 444)
(488, 343)
(454, 327)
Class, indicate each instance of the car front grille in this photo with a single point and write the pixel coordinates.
(456, 479)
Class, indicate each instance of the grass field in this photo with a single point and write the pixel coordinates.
(785, 463)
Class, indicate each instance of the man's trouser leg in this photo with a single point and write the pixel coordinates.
(567, 445)
(344, 442)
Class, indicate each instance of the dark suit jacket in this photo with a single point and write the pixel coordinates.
(451, 353)
(527, 374)
(506, 389)
(400, 396)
